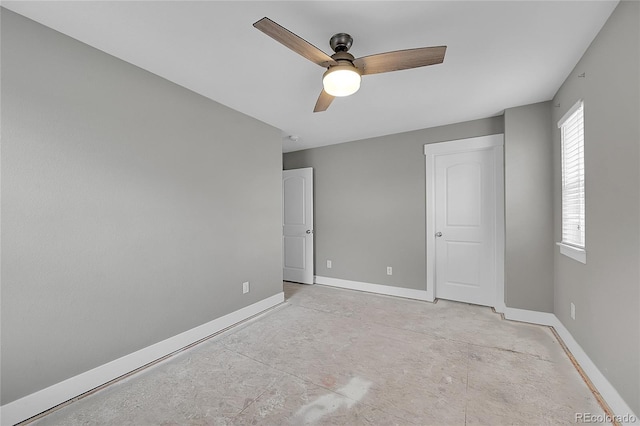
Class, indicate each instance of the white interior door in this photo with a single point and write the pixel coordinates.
(464, 227)
(297, 225)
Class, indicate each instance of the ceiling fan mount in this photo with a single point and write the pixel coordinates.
(344, 71)
(341, 42)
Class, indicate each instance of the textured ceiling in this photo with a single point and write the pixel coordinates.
(500, 55)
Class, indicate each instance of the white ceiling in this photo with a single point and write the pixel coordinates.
(500, 54)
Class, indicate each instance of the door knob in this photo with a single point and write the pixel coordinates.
(309, 231)
(438, 234)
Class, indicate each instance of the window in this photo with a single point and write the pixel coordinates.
(573, 217)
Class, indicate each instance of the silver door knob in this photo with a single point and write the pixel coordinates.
(438, 234)
(309, 231)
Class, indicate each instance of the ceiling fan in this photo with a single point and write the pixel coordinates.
(344, 72)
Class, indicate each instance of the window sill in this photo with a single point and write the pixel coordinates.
(573, 252)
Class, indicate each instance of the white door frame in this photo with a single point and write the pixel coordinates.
(431, 151)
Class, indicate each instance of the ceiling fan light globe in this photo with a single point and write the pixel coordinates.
(341, 81)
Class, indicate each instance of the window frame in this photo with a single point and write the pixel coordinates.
(573, 249)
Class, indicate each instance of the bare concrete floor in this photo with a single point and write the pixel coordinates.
(332, 356)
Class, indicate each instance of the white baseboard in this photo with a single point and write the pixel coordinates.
(609, 393)
(34, 404)
(625, 416)
(407, 293)
(533, 317)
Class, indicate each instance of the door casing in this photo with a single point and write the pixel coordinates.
(495, 143)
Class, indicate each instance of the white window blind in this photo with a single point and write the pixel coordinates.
(573, 194)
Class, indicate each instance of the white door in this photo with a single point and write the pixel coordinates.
(465, 223)
(297, 225)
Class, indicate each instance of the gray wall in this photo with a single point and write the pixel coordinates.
(529, 207)
(370, 203)
(606, 291)
(132, 208)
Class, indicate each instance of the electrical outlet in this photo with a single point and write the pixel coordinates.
(389, 270)
(573, 311)
(245, 287)
(328, 264)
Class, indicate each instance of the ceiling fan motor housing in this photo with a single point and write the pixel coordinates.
(344, 60)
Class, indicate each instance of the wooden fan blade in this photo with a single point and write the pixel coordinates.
(294, 42)
(400, 60)
(324, 100)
